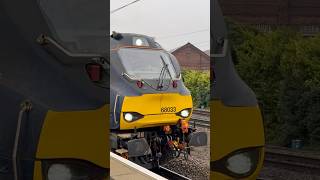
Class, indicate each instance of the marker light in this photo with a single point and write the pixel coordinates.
(128, 117)
(94, 72)
(139, 84)
(174, 84)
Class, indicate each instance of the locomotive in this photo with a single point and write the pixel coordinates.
(237, 132)
(54, 90)
(150, 105)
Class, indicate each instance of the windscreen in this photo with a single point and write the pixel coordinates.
(78, 25)
(146, 63)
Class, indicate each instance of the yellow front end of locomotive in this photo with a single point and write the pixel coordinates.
(236, 132)
(75, 139)
(151, 106)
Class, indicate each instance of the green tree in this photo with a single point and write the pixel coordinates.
(283, 68)
(259, 59)
(198, 82)
(300, 102)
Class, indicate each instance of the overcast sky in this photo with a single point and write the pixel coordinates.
(172, 22)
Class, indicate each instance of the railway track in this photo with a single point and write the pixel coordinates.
(280, 157)
(202, 112)
(168, 174)
(200, 118)
(293, 160)
(283, 158)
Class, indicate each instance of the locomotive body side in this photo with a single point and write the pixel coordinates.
(53, 116)
(237, 132)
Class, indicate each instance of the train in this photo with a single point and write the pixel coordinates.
(237, 141)
(54, 90)
(150, 107)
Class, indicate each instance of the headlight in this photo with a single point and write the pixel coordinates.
(184, 113)
(139, 42)
(238, 164)
(128, 116)
(243, 163)
(68, 170)
(59, 171)
(132, 116)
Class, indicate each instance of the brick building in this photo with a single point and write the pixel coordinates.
(191, 57)
(304, 15)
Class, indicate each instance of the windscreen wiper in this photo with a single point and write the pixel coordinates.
(160, 79)
(163, 73)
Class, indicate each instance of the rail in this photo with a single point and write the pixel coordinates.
(294, 160)
(200, 118)
(167, 173)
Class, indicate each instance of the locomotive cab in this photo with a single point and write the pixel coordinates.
(150, 100)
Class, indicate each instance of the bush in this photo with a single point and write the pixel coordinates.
(198, 82)
(283, 69)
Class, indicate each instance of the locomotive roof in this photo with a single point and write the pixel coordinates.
(131, 39)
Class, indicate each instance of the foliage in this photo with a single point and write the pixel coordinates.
(283, 68)
(300, 101)
(198, 82)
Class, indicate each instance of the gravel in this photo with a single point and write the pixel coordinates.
(197, 167)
